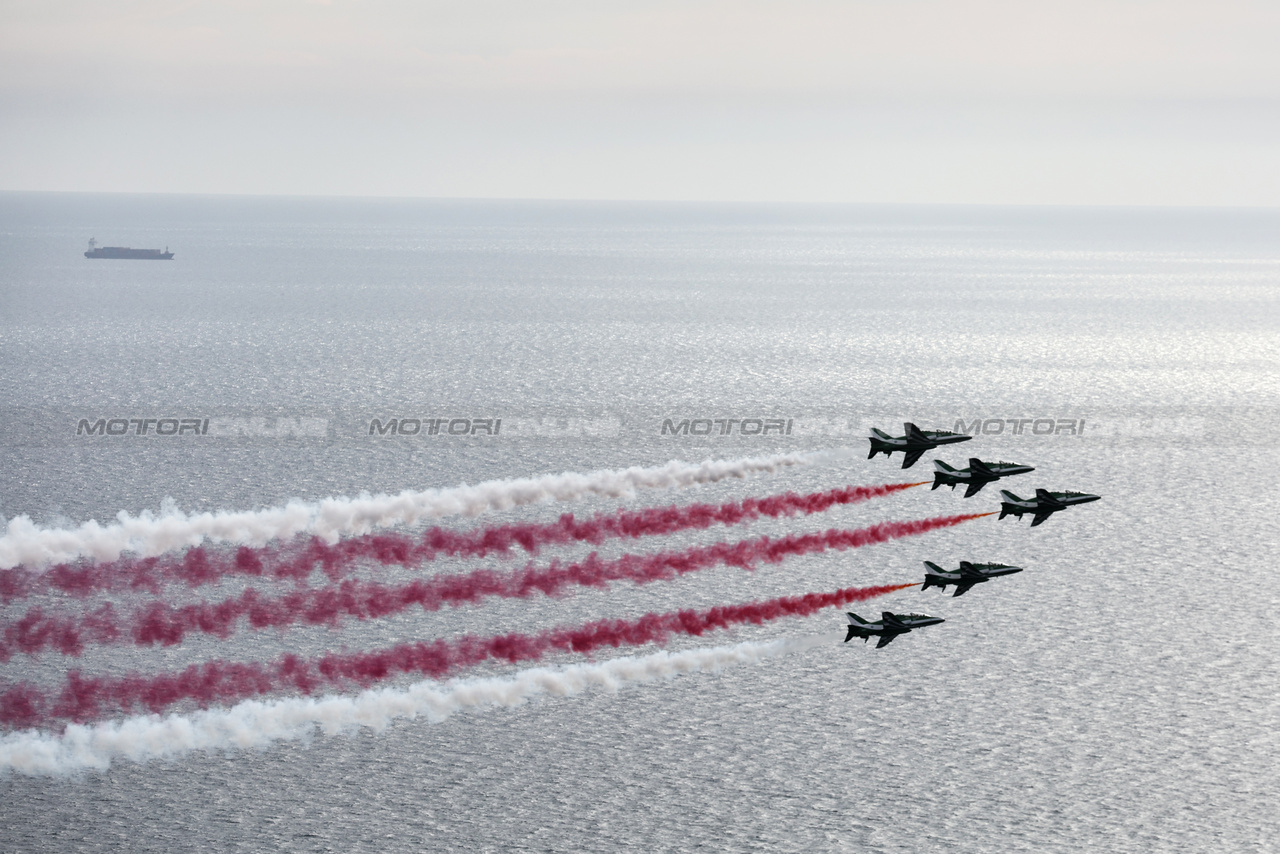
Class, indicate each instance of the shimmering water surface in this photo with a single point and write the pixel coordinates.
(1119, 695)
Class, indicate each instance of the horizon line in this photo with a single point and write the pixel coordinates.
(632, 201)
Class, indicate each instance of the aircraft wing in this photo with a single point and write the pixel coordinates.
(1041, 515)
(974, 488)
(914, 433)
(961, 589)
(887, 639)
(1046, 497)
(977, 466)
(909, 457)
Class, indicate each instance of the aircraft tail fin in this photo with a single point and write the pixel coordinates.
(1008, 506)
(940, 466)
(932, 576)
(855, 627)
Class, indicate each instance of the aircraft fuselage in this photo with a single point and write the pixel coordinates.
(1044, 505)
(913, 444)
(966, 576)
(976, 476)
(888, 627)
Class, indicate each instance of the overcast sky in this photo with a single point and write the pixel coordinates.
(971, 101)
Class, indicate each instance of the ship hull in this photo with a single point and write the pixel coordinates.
(124, 253)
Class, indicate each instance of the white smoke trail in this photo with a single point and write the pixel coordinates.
(256, 724)
(146, 534)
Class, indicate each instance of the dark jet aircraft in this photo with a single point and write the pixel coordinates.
(968, 575)
(888, 627)
(1044, 505)
(977, 475)
(912, 445)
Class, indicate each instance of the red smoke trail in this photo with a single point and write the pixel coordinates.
(160, 623)
(296, 561)
(35, 631)
(84, 697)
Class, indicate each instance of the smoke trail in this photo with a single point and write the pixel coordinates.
(84, 697)
(24, 543)
(256, 724)
(161, 623)
(201, 566)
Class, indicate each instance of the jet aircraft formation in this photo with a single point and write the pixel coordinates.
(978, 474)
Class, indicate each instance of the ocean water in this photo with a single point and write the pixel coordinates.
(1120, 694)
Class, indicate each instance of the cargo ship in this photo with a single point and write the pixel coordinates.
(96, 251)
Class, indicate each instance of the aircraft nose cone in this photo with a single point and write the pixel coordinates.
(1087, 498)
